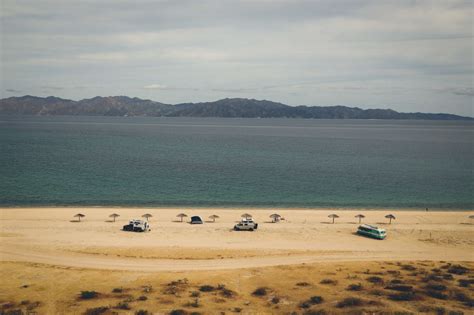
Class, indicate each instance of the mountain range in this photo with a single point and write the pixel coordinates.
(228, 107)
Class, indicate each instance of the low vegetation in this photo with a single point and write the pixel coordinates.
(262, 291)
(354, 287)
(123, 306)
(447, 276)
(436, 287)
(342, 294)
(350, 302)
(458, 269)
(329, 281)
(393, 272)
(437, 294)
(315, 312)
(375, 280)
(408, 267)
(396, 281)
(303, 284)
(433, 277)
(377, 292)
(176, 287)
(316, 299)
(221, 288)
(438, 310)
(305, 305)
(96, 310)
(464, 298)
(147, 289)
(194, 303)
(225, 292)
(402, 296)
(465, 282)
(87, 295)
(400, 287)
(206, 288)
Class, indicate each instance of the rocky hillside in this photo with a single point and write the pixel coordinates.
(229, 107)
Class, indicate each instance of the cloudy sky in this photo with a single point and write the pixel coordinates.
(403, 54)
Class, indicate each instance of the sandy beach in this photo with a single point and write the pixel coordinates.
(42, 247)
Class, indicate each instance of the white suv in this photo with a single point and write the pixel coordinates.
(136, 226)
(246, 225)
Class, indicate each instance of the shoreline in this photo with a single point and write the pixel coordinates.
(231, 208)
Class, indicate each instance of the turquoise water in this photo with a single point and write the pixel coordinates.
(139, 161)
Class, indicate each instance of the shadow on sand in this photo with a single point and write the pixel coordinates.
(75, 221)
(362, 236)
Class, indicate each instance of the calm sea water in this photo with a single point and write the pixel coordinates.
(235, 162)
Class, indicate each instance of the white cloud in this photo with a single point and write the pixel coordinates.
(297, 52)
(155, 87)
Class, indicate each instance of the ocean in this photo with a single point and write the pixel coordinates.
(145, 161)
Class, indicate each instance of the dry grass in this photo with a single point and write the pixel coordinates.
(304, 289)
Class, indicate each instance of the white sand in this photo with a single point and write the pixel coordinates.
(46, 235)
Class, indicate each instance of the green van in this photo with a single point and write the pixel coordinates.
(371, 231)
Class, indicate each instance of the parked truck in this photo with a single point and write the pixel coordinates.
(246, 225)
(136, 225)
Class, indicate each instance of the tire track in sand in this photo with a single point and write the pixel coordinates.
(85, 261)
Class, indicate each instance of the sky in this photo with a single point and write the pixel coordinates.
(407, 55)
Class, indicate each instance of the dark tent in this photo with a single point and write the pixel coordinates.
(196, 220)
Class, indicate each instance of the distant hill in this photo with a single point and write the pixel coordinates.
(229, 107)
